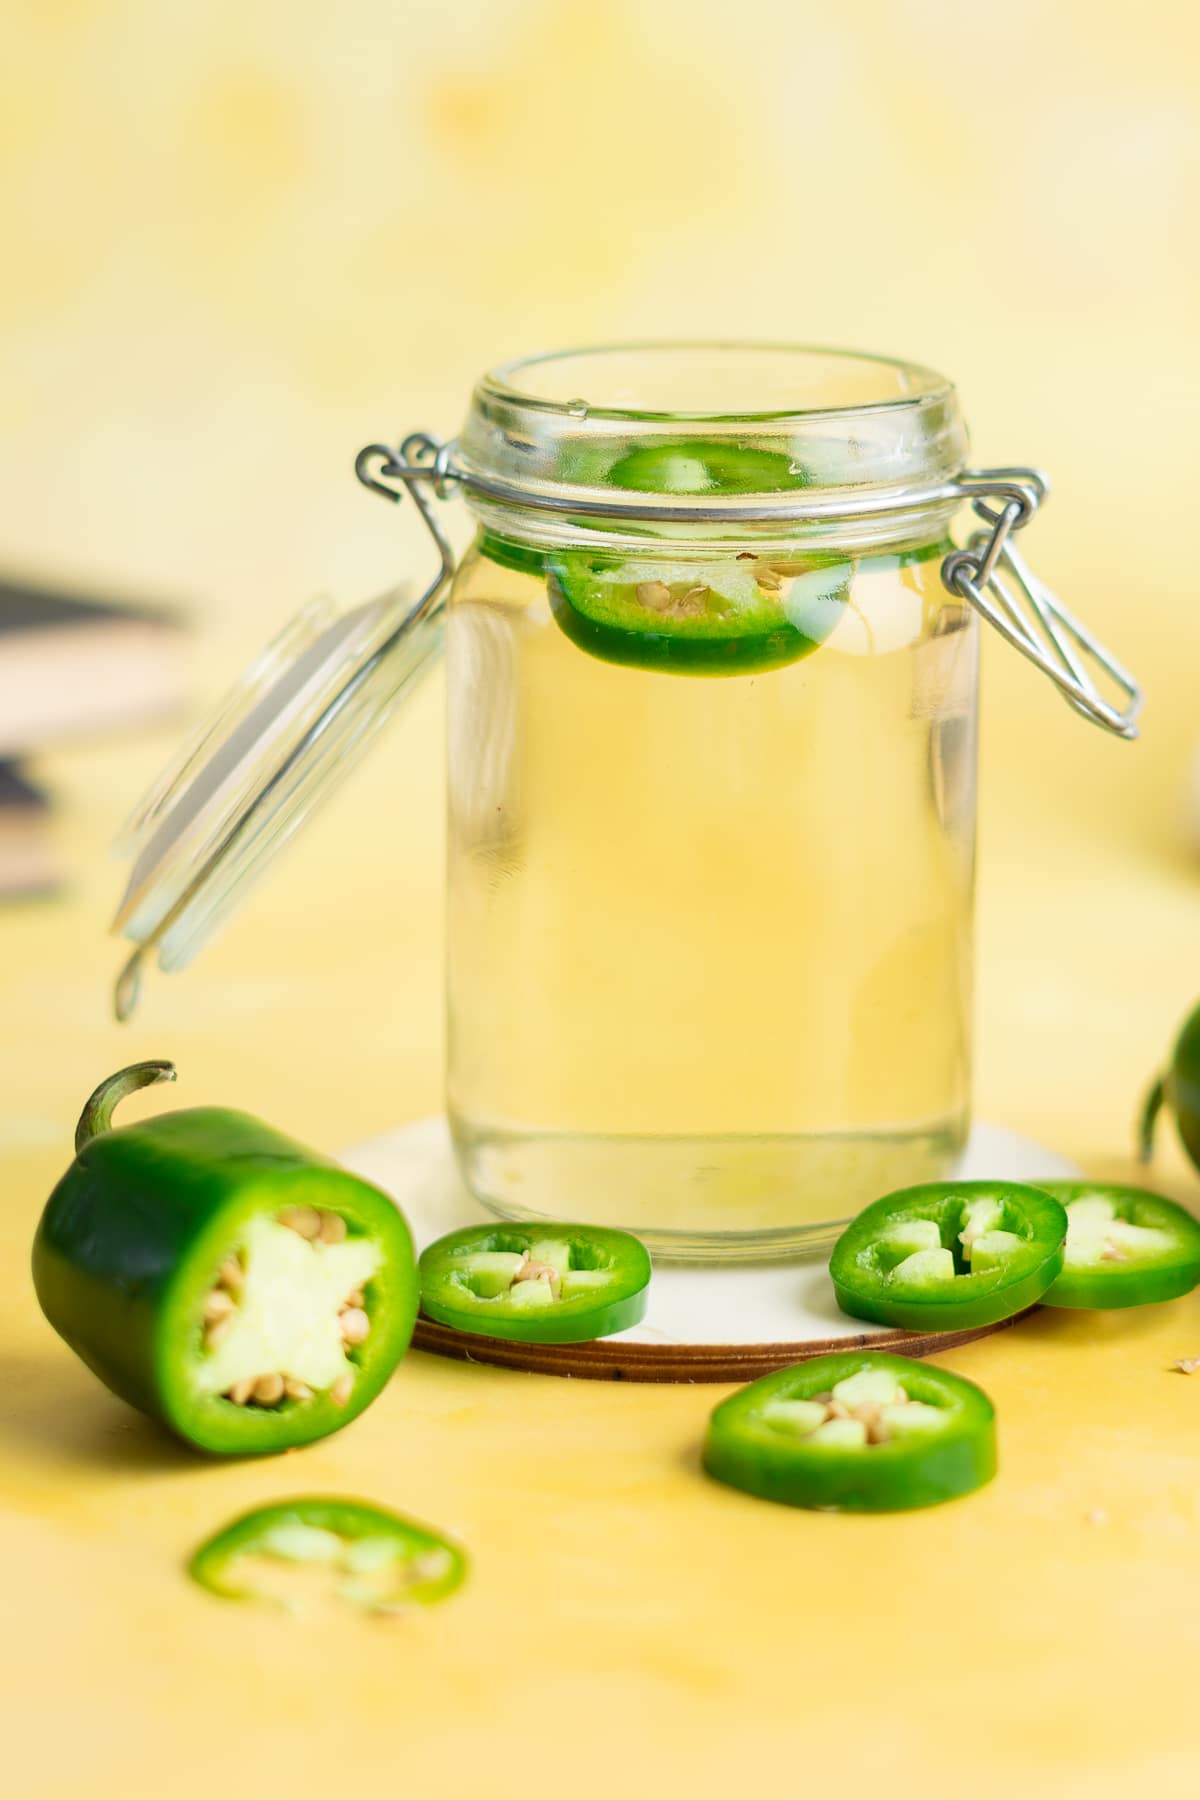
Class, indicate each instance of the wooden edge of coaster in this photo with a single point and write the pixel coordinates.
(612, 1360)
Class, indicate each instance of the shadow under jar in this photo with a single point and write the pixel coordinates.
(712, 670)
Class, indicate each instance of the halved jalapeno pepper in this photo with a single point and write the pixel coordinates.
(1124, 1247)
(949, 1255)
(856, 1432)
(306, 1552)
(543, 1283)
(220, 1277)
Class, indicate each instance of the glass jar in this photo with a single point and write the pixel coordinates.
(712, 672)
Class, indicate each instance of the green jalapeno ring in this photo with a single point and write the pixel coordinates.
(1148, 1250)
(909, 1259)
(752, 1442)
(431, 1566)
(470, 1280)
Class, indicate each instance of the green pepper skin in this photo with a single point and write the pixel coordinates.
(130, 1243)
(743, 1450)
(1143, 1279)
(508, 553)
(213, 1564)
(1177, 1088)
(858, 1269)
(447, 1299)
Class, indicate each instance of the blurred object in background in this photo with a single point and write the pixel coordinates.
(28, 864)
(71, 666)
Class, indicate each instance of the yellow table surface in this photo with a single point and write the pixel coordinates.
(628, 1627)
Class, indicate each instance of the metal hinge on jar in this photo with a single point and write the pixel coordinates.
(993, 575)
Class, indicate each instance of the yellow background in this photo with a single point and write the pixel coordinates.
(239, 240)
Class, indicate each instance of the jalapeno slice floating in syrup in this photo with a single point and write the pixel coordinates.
(302, 1553)
(1124, 1247)
(855, 1432)
(246, 1291)
(541, 1284)
(949, 1255)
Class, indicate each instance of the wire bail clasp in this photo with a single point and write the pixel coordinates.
(993, 575)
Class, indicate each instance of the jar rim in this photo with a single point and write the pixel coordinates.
(918, 385)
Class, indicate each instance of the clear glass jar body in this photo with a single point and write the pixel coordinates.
(710, 935)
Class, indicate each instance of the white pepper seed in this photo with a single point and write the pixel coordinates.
(241, 1391)
(355, 1325)
(232, 1275)
(333, 1228)
(219, 1305)
(268, 1389)
(341, 1390)
(297, 1390)
(654, 594)
(305, 1220)
(215, 1333)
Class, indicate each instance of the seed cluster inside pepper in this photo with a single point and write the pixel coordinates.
(1096, 1234)
(983, 1242)
(287, 1310)
(867, 1408)
(536, 1276)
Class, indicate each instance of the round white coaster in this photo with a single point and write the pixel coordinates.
(704, 1321)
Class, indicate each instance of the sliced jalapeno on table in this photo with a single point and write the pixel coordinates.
(304, 1552)
(543, 1283)
(947, 1256)
(1124, 1247)
(856, 1432)
(246, 1291)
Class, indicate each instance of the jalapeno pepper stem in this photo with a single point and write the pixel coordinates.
(1151, 1108)
(96, 1116)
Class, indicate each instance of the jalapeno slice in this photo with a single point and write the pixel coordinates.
(1125, 1247)
(856, 1432)
(301, 1554)
(542, 1284)
(245, 1291)
(735, 616)
(705, 466)
(949, 1255)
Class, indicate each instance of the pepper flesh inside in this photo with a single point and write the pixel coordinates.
(862, 1410)
(288, 1307)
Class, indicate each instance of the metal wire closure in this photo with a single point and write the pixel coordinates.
(993, 575)
(989, 572)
